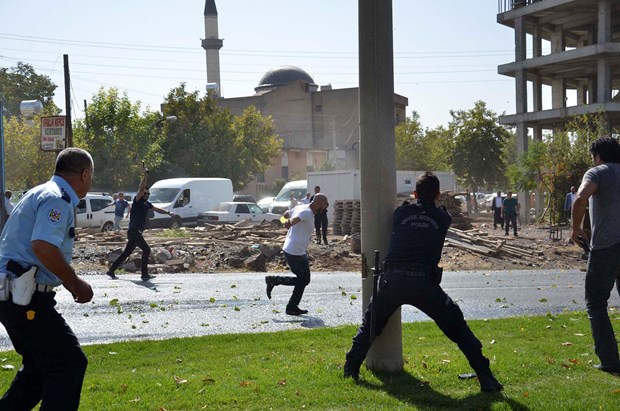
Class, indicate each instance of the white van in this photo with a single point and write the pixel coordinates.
(94, 211)
(282, 202)
(186, 198)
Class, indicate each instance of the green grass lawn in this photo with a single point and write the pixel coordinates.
(544, 363)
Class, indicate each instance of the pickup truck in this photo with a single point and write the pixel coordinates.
(231, 213)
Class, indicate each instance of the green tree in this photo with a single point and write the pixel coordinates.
(208, 141)
(119, 138)
(256, 145)
(477, 156)
(26, 165)
(418, 149)
(558, 161)
(23, 83)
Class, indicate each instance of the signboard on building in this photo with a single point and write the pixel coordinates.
(53, 132)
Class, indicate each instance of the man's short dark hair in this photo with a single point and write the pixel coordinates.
(427, 186)
(73, 160)
(607, 148)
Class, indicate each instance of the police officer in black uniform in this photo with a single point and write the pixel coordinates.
(412, 276)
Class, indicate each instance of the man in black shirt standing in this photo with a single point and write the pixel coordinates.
(137, 221)
(412, 276)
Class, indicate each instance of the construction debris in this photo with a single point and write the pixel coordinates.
(478, 242)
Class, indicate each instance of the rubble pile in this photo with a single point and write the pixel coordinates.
(243, 245)
(478, 242)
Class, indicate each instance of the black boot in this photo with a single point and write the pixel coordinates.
(487, 380)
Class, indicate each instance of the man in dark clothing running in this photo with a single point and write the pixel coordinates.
(412, 276)
(137, 221)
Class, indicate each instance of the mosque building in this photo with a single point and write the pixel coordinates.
(317, 124)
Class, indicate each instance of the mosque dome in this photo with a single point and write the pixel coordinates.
(281, 76)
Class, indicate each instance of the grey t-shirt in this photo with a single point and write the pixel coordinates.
(604, 205)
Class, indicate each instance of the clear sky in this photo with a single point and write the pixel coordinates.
(446, 51)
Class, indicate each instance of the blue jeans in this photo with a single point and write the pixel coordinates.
(117, 222)
(603, 272)
(301, 268)
(397, 289)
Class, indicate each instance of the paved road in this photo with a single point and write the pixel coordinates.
(179, 305)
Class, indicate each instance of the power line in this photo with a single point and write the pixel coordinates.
(270, 53)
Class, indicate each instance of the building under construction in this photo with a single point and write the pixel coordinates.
(567, 63)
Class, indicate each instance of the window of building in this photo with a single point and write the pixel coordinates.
(285, 172)
(318, 109)
(260, 177)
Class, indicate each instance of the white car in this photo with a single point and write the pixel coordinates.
(231, 213)
(95, 212)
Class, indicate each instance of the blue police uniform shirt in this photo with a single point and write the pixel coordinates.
(138, 213)
(418, 233)
(45, 213)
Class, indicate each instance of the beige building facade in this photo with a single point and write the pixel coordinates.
(316, 124)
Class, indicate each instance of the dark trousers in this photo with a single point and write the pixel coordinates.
(603, 271)
(510, 218)
(134, 239)
(53, 364)
(320, 223)
(396, 290)
(301, 268)
(497, 218)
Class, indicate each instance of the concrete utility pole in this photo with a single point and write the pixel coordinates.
(69, 140)
(378, 163)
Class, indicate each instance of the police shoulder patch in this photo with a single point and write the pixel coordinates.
(54, 215)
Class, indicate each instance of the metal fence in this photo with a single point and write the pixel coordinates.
(507, 5)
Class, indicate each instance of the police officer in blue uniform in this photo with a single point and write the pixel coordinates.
(39, 234)
(412, 276)
(137, 222)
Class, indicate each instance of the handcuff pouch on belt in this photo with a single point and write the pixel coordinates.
(434, 274)
(23, 285)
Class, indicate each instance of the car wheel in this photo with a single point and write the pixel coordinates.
(176, 223)
(276, 223)
(107, 227)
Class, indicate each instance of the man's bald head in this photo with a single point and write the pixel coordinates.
(319, 203)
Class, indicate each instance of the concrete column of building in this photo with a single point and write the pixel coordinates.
(604, 22)
(378, 158)
(603, 83)
(520, 43)
(521, 99)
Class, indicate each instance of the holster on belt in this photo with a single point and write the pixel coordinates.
(23, 285)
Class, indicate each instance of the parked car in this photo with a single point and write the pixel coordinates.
(95, 211)
(231, 213)
(283, 200)
(186, 198)
(244, 198)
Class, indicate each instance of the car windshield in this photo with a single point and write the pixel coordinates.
(163, 195)
(286, 195)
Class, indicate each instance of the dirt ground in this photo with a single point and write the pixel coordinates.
(223, 256)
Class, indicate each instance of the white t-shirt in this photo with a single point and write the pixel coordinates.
(298, 236)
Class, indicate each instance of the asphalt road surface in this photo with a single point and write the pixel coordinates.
(181, 305)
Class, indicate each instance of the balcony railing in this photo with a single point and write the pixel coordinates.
(507, 5)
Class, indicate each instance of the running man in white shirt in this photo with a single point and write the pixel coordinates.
(300, 225)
